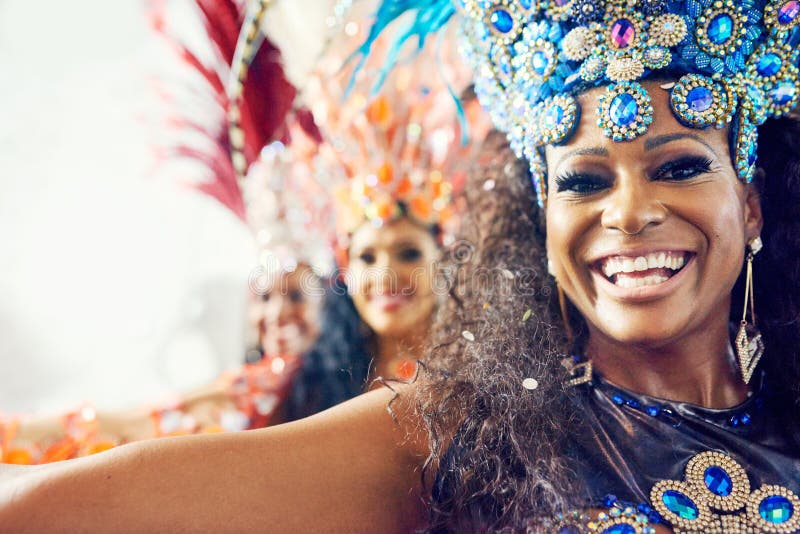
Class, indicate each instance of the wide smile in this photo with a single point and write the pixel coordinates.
(390, 302)
(644, 276)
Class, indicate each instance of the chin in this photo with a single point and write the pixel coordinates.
(643, 330)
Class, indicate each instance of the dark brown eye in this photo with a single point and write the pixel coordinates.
(683, 168)
(367, 258)
(409, 255)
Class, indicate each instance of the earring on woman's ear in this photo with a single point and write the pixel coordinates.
(562, 303)
(749, 345)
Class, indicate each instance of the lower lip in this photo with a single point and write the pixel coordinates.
(644, 293)
(390, 304)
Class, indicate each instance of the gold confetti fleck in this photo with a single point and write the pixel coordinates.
(486, 306)
(468, 335)
(527, 315)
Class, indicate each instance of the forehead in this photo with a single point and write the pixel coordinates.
(664, 129)
(393, 233)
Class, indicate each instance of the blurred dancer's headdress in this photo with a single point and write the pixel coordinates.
(399, 153)
(245, 128)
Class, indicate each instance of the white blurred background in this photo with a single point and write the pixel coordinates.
(116, 287)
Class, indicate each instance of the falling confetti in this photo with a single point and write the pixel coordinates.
(527, 315)
(468, 335)
(486, 306)
(488, 185)
(530, 384)
(508, 274)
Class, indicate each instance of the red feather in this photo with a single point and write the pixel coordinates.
(267, 100)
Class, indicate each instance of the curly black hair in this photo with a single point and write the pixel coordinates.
(503, 324)
(337, 366)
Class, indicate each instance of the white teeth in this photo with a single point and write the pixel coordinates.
(656, 260)
(628, 265)
(630, 281)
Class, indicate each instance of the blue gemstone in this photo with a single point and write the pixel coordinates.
(718, 481)
(623, 109)
(720, 29)
(680, 505)
(734, 420)
(769, 65)
(540, 62)
(620, 529)
(618, 399)
(526, 4)
(700, 99)
(609, 500)
(776, 509)
(653, 411)
(751, 158)
(553, 116)
(633, 403)
(502, 21)
(783, 93)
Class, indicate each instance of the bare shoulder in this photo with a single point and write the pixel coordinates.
(354, 468)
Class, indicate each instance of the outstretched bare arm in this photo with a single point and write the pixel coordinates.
(351, 468)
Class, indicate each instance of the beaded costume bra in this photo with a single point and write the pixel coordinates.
(650, 461)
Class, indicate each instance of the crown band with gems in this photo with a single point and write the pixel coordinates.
(734, 63)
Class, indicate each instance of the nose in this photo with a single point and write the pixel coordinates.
(278, 310)
(382, 274)
(632, 206)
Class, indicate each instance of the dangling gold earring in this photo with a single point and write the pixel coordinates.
(749, 345)
(562, 303)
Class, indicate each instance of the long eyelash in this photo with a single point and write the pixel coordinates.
(570, 179)
(701, 163)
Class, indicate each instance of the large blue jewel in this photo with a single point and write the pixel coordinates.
(776, 509)
(553, 116)
(526, 4)
(720, 29)
(718, 481)
(540, 62)
(783, 93)
(769, 65)
(620, 529)
(680, 505)
(623, 109)
(502, 21)
(700, 99)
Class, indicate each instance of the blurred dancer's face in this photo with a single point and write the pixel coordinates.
(390, 276)
(289, 312)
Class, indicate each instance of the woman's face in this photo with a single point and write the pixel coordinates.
(647, 237)
(390, 276)
(290, 312)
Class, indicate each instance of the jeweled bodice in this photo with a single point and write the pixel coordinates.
(692, 468)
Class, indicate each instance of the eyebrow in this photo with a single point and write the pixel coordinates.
(590, 151)
(661, 140)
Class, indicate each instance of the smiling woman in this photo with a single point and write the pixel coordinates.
(625, 394)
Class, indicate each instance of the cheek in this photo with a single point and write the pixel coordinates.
(567, 232)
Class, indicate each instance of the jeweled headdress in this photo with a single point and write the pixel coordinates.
(734, 63)
(288, 210)
(399, 152)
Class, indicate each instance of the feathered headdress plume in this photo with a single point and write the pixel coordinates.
(201, 127)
